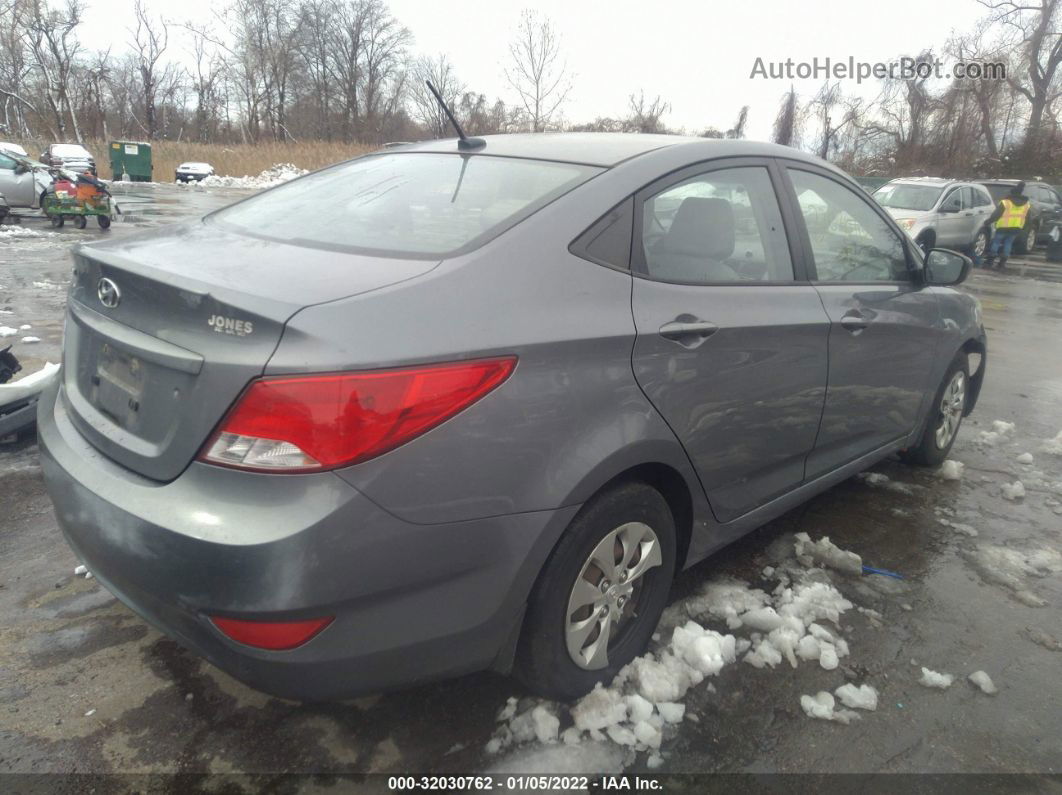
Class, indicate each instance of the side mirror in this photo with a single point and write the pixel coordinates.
(21, 168)
(945, 268)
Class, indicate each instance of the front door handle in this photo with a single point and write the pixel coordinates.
(680, 330)
(854, 322)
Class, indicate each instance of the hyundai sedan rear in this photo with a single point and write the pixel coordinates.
(438, 409)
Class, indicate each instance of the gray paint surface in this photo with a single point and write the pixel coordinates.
(461, 519)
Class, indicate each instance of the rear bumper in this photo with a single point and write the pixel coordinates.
(412, 602)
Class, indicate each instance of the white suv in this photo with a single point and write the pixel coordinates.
(939, 213)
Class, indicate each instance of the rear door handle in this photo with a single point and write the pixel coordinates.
(680, 330)
(854, 322)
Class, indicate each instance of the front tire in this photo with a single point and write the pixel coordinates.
(979, 247)
(945, 417)
(599, 597)
(1026, 241)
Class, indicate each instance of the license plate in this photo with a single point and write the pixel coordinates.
(119, 384)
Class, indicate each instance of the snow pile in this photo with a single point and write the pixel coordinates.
(861, 697)
(47, 285)
(1025, 458)
(7, 331)
(1053, 446)
(984, 681)
(951, 470)
(29, 340)
(1013, 491)
(822, 706)
(1000, 429)
(643, 703)
(271, 177)
(8, 232)
(935, 679)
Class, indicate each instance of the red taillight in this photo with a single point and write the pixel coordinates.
(305, 423)
(271, 635)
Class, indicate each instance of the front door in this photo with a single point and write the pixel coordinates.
(731, 345)
(884, 326)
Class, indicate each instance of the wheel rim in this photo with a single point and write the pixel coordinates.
(979, 245)
(951, 407)
(1030, 241)
(608, 592)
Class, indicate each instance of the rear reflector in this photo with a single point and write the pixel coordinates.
(271, 635)
(307, 423)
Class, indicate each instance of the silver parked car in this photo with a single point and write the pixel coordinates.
(23, 182)
(940, 212)
(72, 157)
(478, 408)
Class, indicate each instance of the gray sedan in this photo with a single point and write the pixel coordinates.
(433, 410)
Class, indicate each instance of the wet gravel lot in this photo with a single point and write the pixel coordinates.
(86, 686)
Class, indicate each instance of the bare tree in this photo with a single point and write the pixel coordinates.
(538, 74)
(787, 120)
(426, 108)
(1038, 23)
(53, 42)
(645, 116)
(738, 130)
(150, 39)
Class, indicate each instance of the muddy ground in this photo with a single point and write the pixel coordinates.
(86, 686)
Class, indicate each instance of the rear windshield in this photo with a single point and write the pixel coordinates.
(999, 192)
(907, 197)
(69, 150)
(406, 204)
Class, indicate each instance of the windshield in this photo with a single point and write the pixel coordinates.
(411, 204)
(907, 197)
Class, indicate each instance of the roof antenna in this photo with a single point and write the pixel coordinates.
(464, 142)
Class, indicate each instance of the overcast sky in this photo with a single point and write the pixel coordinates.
(697, 54)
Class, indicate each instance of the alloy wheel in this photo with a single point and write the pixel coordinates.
(606, 595)
(980, 244)
(951, 407)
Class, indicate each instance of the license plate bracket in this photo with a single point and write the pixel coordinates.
(119, 384)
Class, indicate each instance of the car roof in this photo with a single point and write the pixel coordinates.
(607, 149)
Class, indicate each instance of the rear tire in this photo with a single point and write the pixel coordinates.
(57, 221)
(80, 222)
(979, 247)
(104, 221)
(926, 242)
(945, 417)
(545, 661)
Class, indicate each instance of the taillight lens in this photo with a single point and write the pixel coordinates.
(271, 635)
(307, 423)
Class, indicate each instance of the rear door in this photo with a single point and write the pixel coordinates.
(15, 187)
(731, 340)
(884, 326)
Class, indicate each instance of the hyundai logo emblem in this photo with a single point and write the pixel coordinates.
(108, 293)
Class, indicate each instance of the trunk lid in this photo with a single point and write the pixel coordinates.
(198, 313)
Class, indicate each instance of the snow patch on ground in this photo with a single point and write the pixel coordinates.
(880, 481)
(984, 681)
(934, 679)
(9, 232)
(643, 706)
(1025, 458)
(271, 177)
(1000, 429)
(1013, 491)
(1012, 568)
(7, 331)
(1053, 446)
(951, 470)
(823, 706)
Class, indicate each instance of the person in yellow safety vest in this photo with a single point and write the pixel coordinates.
(1009, 222)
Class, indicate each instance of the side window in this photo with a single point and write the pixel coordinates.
(721, 226)
(952, 201)
(1052, 196)
(984, 198)
(849, 240)
(971, 197)
(7, 163)
(608, 240)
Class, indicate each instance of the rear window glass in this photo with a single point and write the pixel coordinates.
(409, 204)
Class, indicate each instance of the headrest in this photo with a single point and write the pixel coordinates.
(702, 227)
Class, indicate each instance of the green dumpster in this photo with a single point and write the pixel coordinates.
(131, 161)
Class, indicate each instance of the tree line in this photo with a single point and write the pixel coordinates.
(346, 70)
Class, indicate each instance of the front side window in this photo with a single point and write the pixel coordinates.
(722, 226)
(953, 201)
(414, 204)
(849, 240)
(7, 163)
